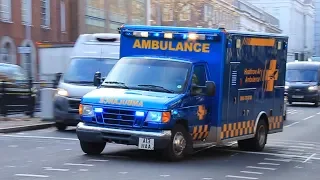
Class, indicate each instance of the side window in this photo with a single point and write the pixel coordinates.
(199, 75)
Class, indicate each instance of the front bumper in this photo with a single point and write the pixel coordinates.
(303, 98)
(121, 136)
(66, 110)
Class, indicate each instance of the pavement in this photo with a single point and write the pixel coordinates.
(17, 123)
(49, 154)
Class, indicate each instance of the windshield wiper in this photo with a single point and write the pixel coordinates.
(155, 86)
(115, 82)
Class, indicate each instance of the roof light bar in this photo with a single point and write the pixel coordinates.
(167, 35)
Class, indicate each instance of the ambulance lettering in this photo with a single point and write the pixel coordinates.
(168, 45)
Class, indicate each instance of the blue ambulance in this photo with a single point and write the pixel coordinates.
(175, 89)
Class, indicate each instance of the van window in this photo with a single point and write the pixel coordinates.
(82, 70)
(301, 75)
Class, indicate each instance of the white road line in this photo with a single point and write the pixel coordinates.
(98, 160)
(280, 160)
(72, 164)
(207, 178)
(306, 144)
(13, 146)
(297, 142)
(32, 175)
(301, 147)
(123, 172)
(299, 150)
(272, 164)
(310, 157)
(251, 172)
(289, 125)
(53, 169)
(318, 113)
(240, 177)
(165, 175)
(263, 168)
(308, 118)
(83, 170)
(40, 137)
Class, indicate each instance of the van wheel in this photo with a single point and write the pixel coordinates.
(61, 126)
(91, 148)
(316, 104)
(179, 145)
(258, 142)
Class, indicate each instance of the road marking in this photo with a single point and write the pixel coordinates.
(251, 172)
(289, 125)
(98, 160)
(53, 169)
(165, 175)
(240, 177)
(264, 168)
(83, 170)
(10, 166)
(302, 147)
(32, 175)
(309, 158)
(300, 150)
(123, 172)
(272, 164)
(297, 142)
(72, 164)
(308, 118)
(280, 160)
(318, 113)
(40, 137)
(207, 178)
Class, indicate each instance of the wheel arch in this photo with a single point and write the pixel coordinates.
(261, 116)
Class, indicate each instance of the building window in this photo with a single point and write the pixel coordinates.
(167, 14)
(207, 15)
(63, 15)
(95, 16)
(138, 12)
(5, 10)
(45, 13)
(26, 12)
(185, 14)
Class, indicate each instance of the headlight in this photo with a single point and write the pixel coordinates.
(158, 117)
(86, 110)
(312, 88)
(286, 87)
(62, 92)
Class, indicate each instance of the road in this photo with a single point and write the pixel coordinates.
(48, 154)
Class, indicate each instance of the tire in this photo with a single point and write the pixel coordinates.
(290, 102)
(61, 126)
(258, 142)
(91, 148)
(285, 117)
(316, 104)
(173, 152)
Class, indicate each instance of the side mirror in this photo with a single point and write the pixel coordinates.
(211, 88)
(57, 79)
(97, 79)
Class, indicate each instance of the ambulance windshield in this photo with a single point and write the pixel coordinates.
(82, 70)
(149, 74)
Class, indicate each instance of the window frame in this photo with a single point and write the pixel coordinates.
(26, 12)
(205, 71)
(6, 11)
(45, 17)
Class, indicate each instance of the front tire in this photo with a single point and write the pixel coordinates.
(61, 126)
(91, 148)
(258, 142)
(179, 145)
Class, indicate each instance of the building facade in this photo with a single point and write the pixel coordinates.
(317, 28)
(297, 19)
(26, 22)
(97, 16)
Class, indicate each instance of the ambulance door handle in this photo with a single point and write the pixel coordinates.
(235, 100)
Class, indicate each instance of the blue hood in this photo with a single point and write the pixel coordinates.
(130, 98)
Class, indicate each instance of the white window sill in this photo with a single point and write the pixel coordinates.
(6, 21)
(63, 32)
(26, 24)
(45, 27)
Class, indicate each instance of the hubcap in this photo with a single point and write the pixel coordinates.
(179, 143)
(262, 135)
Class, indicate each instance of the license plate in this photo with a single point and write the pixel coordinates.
(146, 143)
(294, 96)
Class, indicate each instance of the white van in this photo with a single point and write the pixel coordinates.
(91, 53)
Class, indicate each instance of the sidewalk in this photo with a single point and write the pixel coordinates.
(17, 123)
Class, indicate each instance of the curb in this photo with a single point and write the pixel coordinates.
(26, 128)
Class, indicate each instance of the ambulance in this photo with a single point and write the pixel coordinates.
(176, 89)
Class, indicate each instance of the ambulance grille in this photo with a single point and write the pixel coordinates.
(118, 117)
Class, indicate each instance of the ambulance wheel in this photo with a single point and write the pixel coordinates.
(91, 148)
(258, 142)
(179, 145)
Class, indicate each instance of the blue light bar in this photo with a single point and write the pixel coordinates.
(168, 35)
